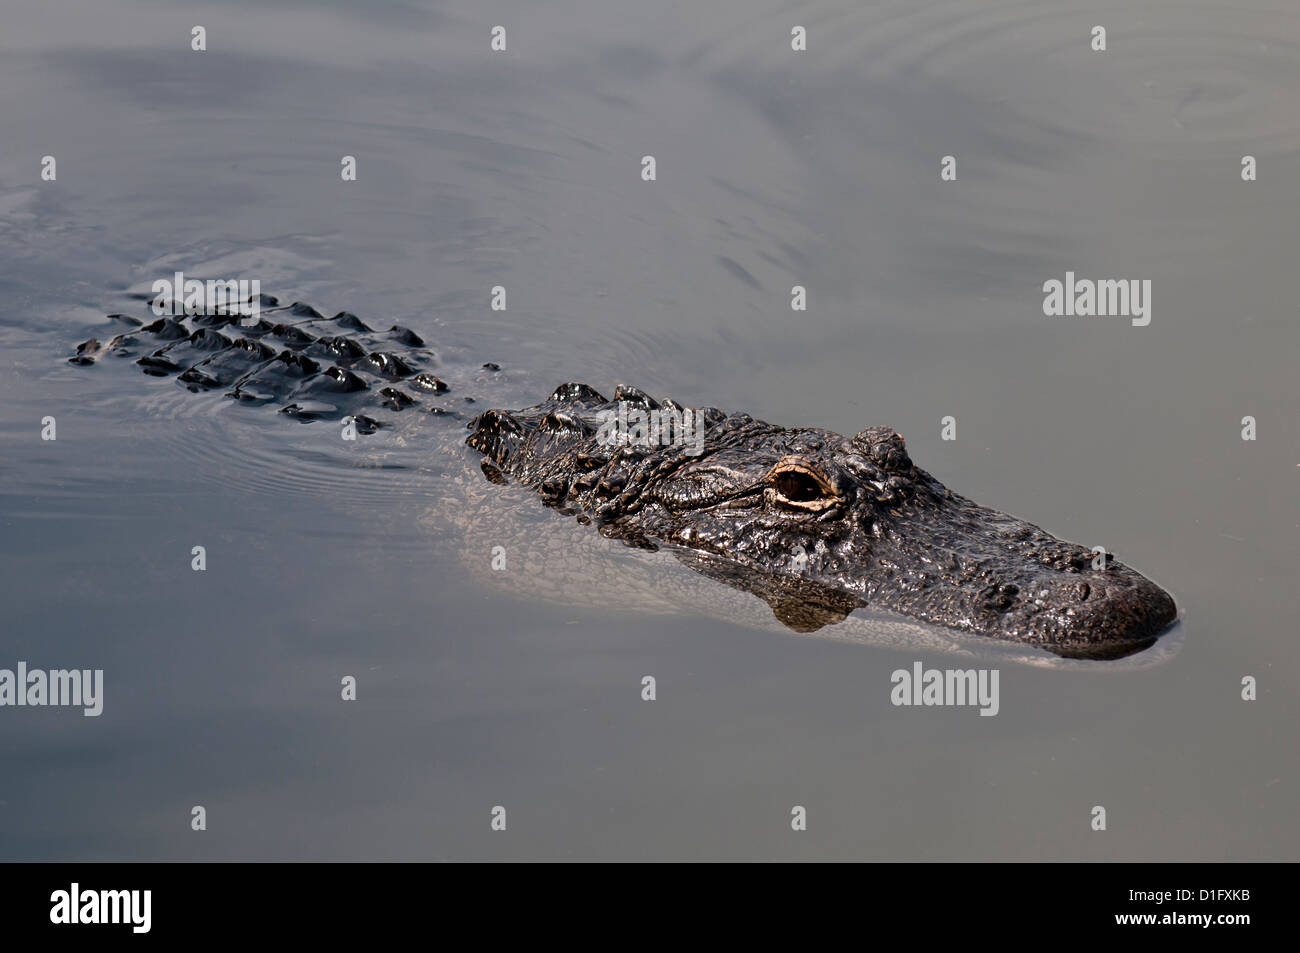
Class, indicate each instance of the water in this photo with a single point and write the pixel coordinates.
(522, 169)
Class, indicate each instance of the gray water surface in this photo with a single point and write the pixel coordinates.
(523, 169)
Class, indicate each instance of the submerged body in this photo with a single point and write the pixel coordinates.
(814, 523)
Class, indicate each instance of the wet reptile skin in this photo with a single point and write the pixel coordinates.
(851, 519)
(815, 523)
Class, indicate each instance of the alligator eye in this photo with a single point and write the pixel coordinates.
(796, 485)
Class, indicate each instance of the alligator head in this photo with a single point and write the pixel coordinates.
(816, 523)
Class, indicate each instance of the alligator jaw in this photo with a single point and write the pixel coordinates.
(945, 560)
(1123, 613)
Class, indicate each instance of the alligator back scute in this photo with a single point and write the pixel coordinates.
(312, 366)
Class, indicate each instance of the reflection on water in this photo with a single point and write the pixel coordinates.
(521, 170)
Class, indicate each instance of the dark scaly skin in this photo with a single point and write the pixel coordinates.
(814, 523)
(874, 528)
(311, 367)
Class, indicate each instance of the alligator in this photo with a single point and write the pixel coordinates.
(814, 523)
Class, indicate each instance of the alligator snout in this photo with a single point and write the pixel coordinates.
(1103, 613)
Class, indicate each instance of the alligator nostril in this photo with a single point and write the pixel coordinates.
(1001, 597)
(1083, 590)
